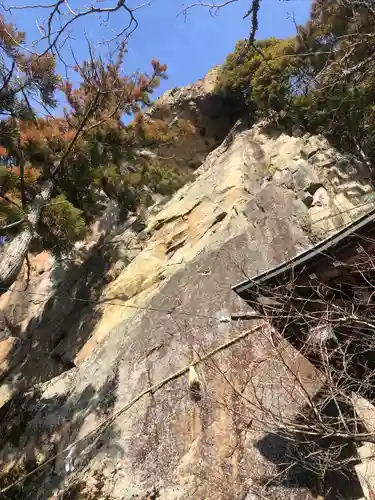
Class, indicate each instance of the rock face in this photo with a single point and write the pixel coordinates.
(210, 114)
(258, 199)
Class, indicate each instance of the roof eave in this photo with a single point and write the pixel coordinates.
(247, 286)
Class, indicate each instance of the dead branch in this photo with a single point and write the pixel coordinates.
(59, 17)
(329, 323)
(214, 9)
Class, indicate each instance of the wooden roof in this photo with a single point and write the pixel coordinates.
(323, 261)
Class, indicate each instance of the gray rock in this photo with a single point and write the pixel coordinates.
(163, 311)
(321, 197)
(309, 150)
(210, 115)
(305, 178)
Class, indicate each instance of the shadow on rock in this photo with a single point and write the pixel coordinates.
(35, 436)
(322, 464)
(51, 340)
(39, 415)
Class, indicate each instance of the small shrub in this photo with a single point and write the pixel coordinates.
(8, 179)
(163, 180)
(65, 222)
(8, 214)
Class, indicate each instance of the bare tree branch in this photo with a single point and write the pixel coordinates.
(12, 225)
(54, 27)
(212, 7)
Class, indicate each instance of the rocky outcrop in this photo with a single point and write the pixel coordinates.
(258, 199)
(210, 114)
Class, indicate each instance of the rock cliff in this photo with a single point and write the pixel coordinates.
(147, 300)
(211, 116)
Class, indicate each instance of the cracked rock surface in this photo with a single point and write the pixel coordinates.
(259, 200)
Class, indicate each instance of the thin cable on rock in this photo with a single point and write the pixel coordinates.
(150, 390)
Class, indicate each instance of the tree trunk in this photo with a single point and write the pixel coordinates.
(14, 254)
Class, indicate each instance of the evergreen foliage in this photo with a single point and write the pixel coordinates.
(321, 80)
(82, 152)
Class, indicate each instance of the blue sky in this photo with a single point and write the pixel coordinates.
(189, 47)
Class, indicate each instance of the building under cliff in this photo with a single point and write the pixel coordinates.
(323, 302)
